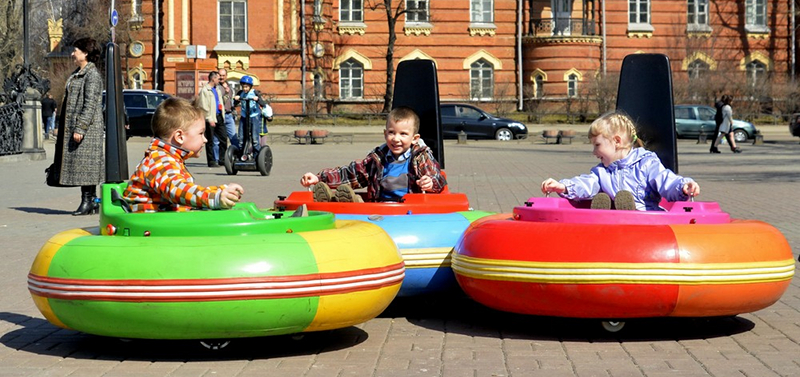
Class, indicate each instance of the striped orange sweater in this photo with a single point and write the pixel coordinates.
(162, 183)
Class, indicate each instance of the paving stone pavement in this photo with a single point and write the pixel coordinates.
(428, 336)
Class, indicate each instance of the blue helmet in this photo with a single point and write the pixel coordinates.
(246, 80)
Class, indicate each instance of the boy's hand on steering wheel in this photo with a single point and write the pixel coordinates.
(551, 185)
(425, 183)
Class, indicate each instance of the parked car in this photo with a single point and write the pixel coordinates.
(691, 120)
(478, 124)
(794, 124)
(140, 105)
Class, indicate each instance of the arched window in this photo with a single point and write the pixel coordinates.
(136, 81)
(538, 88)
(351, 79)
(756, 73)
(572, 85)
(481, 83)
(697, 69)
(319, 86)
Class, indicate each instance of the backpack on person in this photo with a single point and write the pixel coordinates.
(718, 117)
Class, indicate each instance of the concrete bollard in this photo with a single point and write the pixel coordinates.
(462, 137)
(702, 138)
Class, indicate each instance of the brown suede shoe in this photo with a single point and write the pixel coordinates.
(601, 201)
(345, 193)
(624, 201)
(322, 193)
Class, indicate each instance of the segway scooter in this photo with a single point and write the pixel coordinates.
(247, 159)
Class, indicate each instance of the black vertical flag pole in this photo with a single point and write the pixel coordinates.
(116, 149)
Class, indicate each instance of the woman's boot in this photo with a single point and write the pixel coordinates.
(87, 205)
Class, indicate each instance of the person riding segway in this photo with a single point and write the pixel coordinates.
(251, 154)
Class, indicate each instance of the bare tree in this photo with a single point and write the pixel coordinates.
(394, 10)
(10, 36)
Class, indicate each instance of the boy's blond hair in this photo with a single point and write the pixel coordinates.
(615, 123)
(173, 114)
(405, 113)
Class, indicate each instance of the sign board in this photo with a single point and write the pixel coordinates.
(114, 18)
(191, 51)
(186, 84)
(196, 51)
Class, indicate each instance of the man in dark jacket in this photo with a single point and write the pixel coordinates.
(48, 114)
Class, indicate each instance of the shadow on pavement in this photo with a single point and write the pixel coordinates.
(42, 211)
(460, 315)
(38, 336)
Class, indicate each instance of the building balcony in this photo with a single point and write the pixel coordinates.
(560, 27)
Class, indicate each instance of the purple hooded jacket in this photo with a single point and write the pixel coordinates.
(640, 172)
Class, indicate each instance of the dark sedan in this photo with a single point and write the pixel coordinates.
(478, 124)
(140, 105)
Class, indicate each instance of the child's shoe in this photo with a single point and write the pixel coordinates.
(601, 201)
(345, 193)
(624, 201)
(322, 193)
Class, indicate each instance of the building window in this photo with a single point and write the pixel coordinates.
(417, 11)
(756, 73)
(698, 13)
(481, 83)
(538, 86)
(351, 11)
(639, 12)
(351, 79)
(233, 21)
(697, 69)
(482, 11)
(755, 13)
(572, 85)
(319, 88)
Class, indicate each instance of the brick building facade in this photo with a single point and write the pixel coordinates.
(476, 44)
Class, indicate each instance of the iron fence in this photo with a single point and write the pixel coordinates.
(560, 26)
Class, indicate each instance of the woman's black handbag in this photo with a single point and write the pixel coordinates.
(53, 176)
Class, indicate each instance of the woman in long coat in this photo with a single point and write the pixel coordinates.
(81, 130)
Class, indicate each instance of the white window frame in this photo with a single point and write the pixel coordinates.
(481, 87)
(348, 11)
(220, 32)
(481, 11)
(415, 17)
(572, 85)
(697, 15)
(635, 12)
(347, 81)
(755, 16)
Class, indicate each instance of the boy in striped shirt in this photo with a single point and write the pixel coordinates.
(161, 181)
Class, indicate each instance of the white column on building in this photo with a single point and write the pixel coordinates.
(171, 22)
(294, 21)
(185, 22)
(279, 5)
